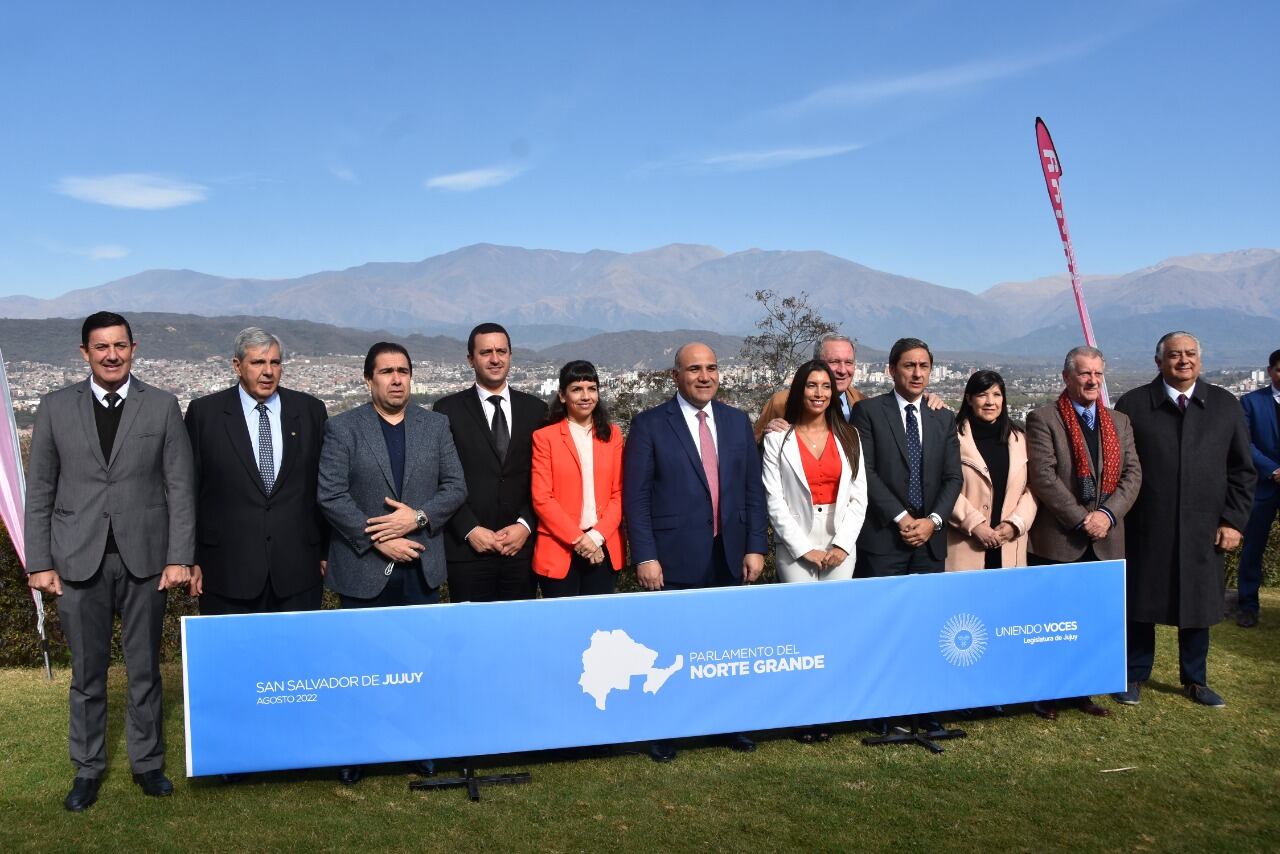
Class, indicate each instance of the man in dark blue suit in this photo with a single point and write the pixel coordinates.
(692, 493)
(1262, 414)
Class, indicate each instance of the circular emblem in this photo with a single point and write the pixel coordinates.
(962, 640)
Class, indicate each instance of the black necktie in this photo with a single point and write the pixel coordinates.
(112, 399)
(266, 457)
(915, 487)
(501, 433)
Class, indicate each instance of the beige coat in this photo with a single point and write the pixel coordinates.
(973, 507)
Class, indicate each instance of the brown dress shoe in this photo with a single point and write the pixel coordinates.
(1089, 707)
(1045, 710)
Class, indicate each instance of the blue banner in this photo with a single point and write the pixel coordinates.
(304, 690)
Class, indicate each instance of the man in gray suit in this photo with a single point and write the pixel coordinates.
(110, 521)
(389, 481)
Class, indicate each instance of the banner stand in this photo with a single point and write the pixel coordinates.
(915, 735)
(471, 781)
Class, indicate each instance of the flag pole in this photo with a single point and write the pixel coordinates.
(1052, 168)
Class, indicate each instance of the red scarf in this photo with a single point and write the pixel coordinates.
(1080, 463)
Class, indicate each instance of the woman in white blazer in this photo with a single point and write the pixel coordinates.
(817, 489)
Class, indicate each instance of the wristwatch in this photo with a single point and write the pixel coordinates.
(936, 520)
(421, 519)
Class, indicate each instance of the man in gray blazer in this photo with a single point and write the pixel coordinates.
(110, 521)
(389, 481)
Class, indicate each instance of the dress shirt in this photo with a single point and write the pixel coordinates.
(100, 393)
(582, 439)
(1275, 393)
(250, 406)
(690, 413)
(845, 408)
(484, 394)
(918, 403)
(1081, 410)
(1173, 393)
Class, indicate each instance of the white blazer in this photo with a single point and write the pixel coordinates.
(791, 503)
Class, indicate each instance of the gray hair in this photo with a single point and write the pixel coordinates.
(1178, 334)
(254, 338)
(1069, 363)
(831, 336)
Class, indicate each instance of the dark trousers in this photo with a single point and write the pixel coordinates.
(716, 573)
(1255, 542)
(405, 586)
(491, 579)
(1089, 556)
(583, 579)
(266, 602)
(1193, 653)
(901, 562)
(87, 610)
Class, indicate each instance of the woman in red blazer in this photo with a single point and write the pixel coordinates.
(577, 490)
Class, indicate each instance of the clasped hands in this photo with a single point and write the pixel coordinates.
(585, 547)
(387, 532)
(994, 538)
(505, 541)
(828, 559)
(915, 532)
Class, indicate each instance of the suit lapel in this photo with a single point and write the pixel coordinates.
(791, 453)
(378, 445)
(138, 399)
(290, 425)
(890, 411)
(471, 402)
(678, 425)
(566, 436)
(238, 433)
(90, 423)
(412, 427)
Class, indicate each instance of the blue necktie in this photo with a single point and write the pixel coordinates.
(1089, 415)
(266, 458)
(915, 486)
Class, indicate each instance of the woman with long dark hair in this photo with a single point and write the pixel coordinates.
(577, 490)
(817, 489)
(989, 523)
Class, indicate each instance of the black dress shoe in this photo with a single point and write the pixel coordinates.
(230, 779)
(662, 751)
(931, 726)
(154, 783)
(879, 727)
(351, 775)
(1247, 619)
(1045, 710)
(425, 767)
(739, 742)
(1089, 707)
(821, 735)
(84, 791)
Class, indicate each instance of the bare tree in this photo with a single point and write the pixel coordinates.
(787, 332)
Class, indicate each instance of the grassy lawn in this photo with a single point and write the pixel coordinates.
(1197, 780)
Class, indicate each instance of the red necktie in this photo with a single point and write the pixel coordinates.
(710, 465)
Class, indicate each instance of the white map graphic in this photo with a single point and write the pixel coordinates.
(613, 659)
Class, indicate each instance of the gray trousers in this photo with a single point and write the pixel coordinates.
(88, 610)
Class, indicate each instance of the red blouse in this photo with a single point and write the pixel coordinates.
(823, 473)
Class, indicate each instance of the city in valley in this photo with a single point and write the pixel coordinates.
(338, 381)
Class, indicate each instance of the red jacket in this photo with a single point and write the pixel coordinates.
(557, 497)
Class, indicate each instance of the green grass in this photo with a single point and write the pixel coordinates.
(1199, 779)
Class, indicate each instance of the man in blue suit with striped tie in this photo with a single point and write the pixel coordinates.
(1262, 414)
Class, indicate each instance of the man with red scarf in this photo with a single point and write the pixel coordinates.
(1083, 469)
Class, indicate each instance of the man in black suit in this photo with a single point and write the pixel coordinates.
(489, 541)
(260, 537)
(912, 457)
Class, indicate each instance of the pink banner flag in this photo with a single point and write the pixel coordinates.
(1052, 174)
(13, 495)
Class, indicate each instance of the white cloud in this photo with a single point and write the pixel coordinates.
(107, 252)
(138, 190)
(474, 179)
(343, 172)
(860, 93)
(742, 161)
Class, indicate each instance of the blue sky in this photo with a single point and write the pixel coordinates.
(277, 139)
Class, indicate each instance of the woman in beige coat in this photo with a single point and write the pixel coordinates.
(989, 523)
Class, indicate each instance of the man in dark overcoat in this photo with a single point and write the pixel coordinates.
(1197, 491)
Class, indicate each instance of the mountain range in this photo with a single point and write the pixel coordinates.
(1231, 300)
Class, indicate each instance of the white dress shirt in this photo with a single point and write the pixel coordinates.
(1173, 393)
(582, 443)
(250, 405)
(690, 413)
(100, 393)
